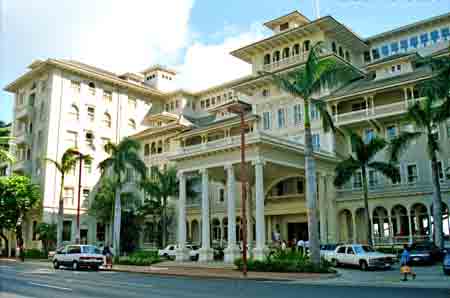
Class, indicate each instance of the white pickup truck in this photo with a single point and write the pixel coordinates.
(360, 255)
(170, 251)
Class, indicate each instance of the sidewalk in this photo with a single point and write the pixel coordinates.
(216, 270)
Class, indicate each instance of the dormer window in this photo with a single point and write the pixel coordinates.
(284, 26)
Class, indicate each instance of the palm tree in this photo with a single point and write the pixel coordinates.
(47, 234)
(68, 162)
(4, 143)
(123, 156)
(427, 115)
(305, 83)
(360, 165)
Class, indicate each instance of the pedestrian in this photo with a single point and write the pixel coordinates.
(405, 267)
(300, 246)
(283, 245)
(108, 256)
(294, 245)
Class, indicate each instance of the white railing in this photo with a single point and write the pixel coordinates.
(301, 57)
(220, 143)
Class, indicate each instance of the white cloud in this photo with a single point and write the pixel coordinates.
(206, 64)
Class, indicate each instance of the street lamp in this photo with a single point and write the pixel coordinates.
(242, 108)
(77, 236)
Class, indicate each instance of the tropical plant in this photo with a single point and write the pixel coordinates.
(47, 234)
(4, 143)
(123, 156)
(18, 196)
(305, 83)
(359, 164)
(427, 115)
(68, 162)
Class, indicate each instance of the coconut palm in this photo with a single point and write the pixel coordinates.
(123, 156)
(359, 164)
(427, 115)
(305, 83)
(68, 162)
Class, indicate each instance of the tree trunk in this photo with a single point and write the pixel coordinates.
(311, 191)
(5, 239)
(437, 203)
(366, 208)
(117, 220)
(164, 223)
(19, 238)
(59, 228)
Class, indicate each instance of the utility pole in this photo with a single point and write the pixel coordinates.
(77, 237)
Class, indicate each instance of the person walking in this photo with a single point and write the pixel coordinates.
(283, 245)
(405, 267)
(108, 256)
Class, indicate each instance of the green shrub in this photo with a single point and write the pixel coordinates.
(34, 254)
(139, 258)
(282, 261)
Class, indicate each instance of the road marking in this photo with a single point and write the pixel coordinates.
(50, 286)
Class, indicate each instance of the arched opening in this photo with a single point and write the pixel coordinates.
(296, 49)
(195, 232)
(346, 226)
(153, 148)
(225, 229)
(290, 186)
(306, 45)
(91, 86)
(146, 149)
(445, 221)
(400, 225)
(341, 52)
(286, 53)
(74, 113)
(420, 222)
(106, 120)
(216, 231)
(276, 56)
(160, 147)
(267, 59)
(333, 47)
(380, 225)
(361, 226)
(347, 56)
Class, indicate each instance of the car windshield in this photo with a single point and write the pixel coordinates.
(89, 249)
(363, 249)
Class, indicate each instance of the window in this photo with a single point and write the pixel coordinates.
(347, 56)
(333, 47)
(341, 52)
(314, 112)
(404, 45)
(74, 113)
(434, 36)
(89, 139)
(106, 120)
(146, 149)
(358, 106)
(316, 142)
(367, 56)
(267, 123)
(357, 180)
(87, 164)
(385, 50)
(350, 251)
(373, 178)
(207, 103)
(265, 93)
(91, 113)
(281, 118)
(202, 104)
(424, 39)
(412, 173)
(376, 54)
(306, 44)
(132, 102)
(394, 47)
(67, 230)
(91, 88)
(221, 195)
(68, 196)
(72, 139)
(276, 56)
(369, 135)
(296, 49)
(298, 114)
(284, 26)
(76, 86)
(414, 42)
(107, 96)
(391, 132)
(445, 33)
(341, 250)
(286, 53)
(267, 59)
(213, 101)
(132, 124)
(86, 193)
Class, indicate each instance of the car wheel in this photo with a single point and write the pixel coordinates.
(166, 256)
(55, 264)
(75, 265)
(334, 263)
(363, 265)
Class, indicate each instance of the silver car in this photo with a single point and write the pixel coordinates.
(77, 256)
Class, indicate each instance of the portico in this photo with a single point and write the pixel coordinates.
(269, 161)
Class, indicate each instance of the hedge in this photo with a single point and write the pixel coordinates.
(139, 258)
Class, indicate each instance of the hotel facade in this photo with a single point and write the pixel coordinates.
(62, 103)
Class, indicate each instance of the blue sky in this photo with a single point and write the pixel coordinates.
(193, 36)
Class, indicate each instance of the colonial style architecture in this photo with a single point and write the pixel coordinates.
(59, 102)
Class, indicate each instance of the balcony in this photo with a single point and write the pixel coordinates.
(212, 145)
(23, 137)
(286, 61)
(156, 158)
(376, 112)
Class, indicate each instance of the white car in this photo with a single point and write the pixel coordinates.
(170, 252)
(77, 256)
(360, 255)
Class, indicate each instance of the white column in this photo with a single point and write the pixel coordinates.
(333, 227)
(323, 208)
(206, 253)
(232, 251)
(260, 248)
(182, 254)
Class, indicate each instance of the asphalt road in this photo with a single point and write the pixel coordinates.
(35, 281)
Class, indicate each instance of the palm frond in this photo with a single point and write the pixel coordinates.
(416, 113)
(345, 170)
(54, 162)
(388, 170)
(442, 112)
(375, 145)
(358, 145)
(287, 82)
(327, 119)
(433, 144)
(399, 144)
(6, 156)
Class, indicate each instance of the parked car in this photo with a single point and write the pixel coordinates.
(360, 255)
(77, 256)
(425, 253)
(326, 250)
(446, 263)
(170, 252)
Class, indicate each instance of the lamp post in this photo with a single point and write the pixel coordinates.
(77, 237)
(241, 108)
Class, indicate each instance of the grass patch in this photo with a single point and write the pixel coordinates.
(34, 254)
(139, 258)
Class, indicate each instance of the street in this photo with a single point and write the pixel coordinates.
(18, 280)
